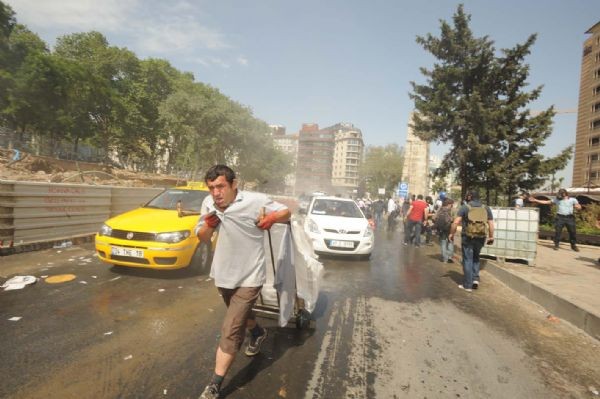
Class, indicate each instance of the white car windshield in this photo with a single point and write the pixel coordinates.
(331, 207)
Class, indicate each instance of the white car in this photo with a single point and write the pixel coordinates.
(338, 226)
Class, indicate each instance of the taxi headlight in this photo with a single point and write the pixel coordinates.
(172, 237)
(105, 230)
(312, 227)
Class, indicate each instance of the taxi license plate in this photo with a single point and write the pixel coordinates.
(341, 244)
(135, 253)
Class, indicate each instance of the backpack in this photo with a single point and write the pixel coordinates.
(477, 219)
(443, 220)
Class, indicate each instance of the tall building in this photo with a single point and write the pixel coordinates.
(415, 170)
(315, 157)
(347, 157)
(586, 166)
(288, 143)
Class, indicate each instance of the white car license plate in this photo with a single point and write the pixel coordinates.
(135, 253)
(341, 244)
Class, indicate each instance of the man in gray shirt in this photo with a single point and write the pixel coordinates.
(239, 266)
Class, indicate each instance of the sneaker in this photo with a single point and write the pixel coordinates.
(463, 288)
(210, 392)
(253, 347)
(556, 247)
(475, 284)
(574, 248)
(450, 261)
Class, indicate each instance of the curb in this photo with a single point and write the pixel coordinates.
(560, 307)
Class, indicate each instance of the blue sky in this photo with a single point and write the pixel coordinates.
(294, 62)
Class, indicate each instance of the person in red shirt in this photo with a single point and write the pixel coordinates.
(417, 215)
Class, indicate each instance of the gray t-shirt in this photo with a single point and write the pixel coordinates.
(239, 258)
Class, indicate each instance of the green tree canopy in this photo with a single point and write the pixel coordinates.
(382, 168)
(476, 102)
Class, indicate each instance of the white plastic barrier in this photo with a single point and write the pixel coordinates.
(515, 236)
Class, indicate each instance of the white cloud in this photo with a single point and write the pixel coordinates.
(80, 15)
(151, 27)
(211, 61)
(242, 60)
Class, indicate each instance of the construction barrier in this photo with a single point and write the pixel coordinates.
(33, 213)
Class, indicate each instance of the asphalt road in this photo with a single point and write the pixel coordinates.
(396, 326)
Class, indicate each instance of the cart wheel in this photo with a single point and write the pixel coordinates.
(302, 319)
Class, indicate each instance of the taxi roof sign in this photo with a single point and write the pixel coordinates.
(195, 185)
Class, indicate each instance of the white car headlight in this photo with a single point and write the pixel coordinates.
(105, 230)
(312, 227)
(172, 237)
(368, 232)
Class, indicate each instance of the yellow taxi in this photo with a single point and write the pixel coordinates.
(160, 234)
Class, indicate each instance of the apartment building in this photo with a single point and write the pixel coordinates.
(586, 166)
(347, 157)
(315, 158)
(287, 143)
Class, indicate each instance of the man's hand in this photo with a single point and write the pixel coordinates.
(451, 237)
(266, 222)
(212, 221)
(490, 241)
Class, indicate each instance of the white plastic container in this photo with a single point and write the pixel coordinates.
(515, 235)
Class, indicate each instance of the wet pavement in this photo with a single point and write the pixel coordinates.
(394, 326)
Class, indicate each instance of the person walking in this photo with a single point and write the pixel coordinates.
(565, 216)
(378, 208)
(443, 222)
(477, 221)
(417, 215)
(428, 225)
(238, 266)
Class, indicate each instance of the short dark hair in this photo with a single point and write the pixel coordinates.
(474, 195)
(220, 170)
(447, 201)
(420, 196)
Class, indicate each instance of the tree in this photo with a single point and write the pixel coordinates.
(382, 168)
(476, 102)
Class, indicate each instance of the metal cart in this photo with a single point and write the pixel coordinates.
(270, 309)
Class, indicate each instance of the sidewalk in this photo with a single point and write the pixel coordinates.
(565, 282)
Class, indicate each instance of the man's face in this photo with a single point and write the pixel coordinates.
(222, 191)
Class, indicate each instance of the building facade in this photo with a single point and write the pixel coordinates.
(315, 159)
(415, 170)
(586, 165)
(288, 143)
(347, 157)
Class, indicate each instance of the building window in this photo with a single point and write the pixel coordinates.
(595, 141)
(595, 124)
(597, 74)
(596, 90)
(597, 57)
(593, 158)
(587, 50)
(596, 107)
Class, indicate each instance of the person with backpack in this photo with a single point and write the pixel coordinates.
(477, 223)
(442, 224)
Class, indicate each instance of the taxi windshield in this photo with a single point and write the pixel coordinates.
(336, 208)
(191, 200)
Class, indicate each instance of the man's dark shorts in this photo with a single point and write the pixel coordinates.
(239, 303)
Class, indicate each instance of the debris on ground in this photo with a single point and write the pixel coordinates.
(18, 282)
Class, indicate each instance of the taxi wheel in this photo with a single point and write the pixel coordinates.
(202, 259)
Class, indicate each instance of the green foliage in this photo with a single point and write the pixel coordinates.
(144, 114)
(382, 168)
(475, 101)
